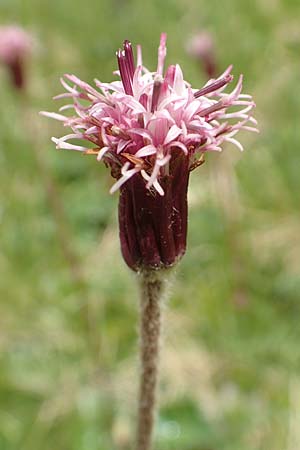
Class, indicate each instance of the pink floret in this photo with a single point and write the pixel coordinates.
(136, 124)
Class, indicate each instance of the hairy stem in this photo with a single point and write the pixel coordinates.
(152, 287)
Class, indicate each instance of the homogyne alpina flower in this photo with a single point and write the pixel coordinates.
(15, 47)
(152, 129)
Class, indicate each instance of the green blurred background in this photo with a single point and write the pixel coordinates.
(230, 371)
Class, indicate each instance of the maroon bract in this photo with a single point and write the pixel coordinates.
(152, 129)
(153, 228)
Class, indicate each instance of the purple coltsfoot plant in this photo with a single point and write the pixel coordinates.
(15, 48)
(201, 47)
(151, 129)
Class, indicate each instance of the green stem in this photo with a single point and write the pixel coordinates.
(152, 287)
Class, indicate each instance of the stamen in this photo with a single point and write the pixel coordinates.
(213, 108)
(214, 86)
(124, 72)
(129, 58)
(158, 80)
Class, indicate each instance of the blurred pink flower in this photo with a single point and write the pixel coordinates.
(15, 47)
(201, 47)
(152, 129)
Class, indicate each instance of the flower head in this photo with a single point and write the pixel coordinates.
(15, 46)
(152, 129)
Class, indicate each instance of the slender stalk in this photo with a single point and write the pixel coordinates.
(152, 287)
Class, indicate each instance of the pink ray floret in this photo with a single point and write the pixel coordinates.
(137, 124)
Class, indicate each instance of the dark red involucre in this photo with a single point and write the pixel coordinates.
(153, 228)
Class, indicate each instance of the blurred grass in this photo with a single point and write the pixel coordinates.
(231, 362)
